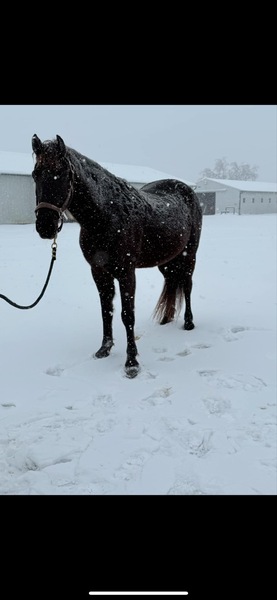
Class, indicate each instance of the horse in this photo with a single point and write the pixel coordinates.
(121, 229)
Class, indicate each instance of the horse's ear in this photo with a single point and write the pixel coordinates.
(61, 145)
(36, 144)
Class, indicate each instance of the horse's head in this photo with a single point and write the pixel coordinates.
(53, 176)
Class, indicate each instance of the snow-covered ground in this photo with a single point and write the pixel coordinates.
(200, 418)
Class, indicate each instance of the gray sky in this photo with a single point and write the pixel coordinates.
(180, 140)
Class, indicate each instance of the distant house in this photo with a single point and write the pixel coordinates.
(241, 197)
(17, 192)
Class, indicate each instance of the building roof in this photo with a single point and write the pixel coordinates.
(139, 174)
(19, 163)
(16, 163)
(244, 186)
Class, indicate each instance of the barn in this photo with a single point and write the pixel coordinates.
(241, 197)
(17, 191)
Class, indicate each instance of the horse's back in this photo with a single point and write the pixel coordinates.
(164, 186)
(178, 191)
(174, 188)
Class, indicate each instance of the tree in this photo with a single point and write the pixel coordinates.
(225, 170)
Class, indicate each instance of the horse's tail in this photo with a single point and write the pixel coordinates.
(170, 302)
(178, 275)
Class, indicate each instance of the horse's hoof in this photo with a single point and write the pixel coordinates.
(102, 353)
(189, 326)
(166, 320)
(132, 372)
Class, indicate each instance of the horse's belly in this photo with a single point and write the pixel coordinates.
(158, 252)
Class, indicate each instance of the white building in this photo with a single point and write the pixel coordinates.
(241, 197)
(17, 190)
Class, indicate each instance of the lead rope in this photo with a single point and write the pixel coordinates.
(54, 252)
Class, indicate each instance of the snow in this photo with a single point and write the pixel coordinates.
(199, 419)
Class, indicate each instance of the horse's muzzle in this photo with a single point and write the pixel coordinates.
(47, 229)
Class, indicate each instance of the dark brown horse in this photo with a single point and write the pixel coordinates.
(122, 229)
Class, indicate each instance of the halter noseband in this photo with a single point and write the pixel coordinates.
(62, 209)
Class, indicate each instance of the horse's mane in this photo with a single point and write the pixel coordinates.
(86, 167)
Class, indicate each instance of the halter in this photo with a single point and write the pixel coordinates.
(62, 209)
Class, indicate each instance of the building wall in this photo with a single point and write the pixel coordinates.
(258, 203)
(17, 199)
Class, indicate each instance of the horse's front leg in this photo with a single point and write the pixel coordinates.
(127, 284)
(105, 285)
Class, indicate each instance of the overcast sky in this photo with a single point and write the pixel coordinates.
(180, 140)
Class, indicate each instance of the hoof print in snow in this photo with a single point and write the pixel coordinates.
(54, 371)
(185, 352)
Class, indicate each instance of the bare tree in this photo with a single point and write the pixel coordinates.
(225, 170)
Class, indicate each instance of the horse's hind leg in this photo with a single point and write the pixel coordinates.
(178, 284)
(188, 269)
(106, 289)
(188, 259)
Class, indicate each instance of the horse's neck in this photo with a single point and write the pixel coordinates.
(87, 204)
